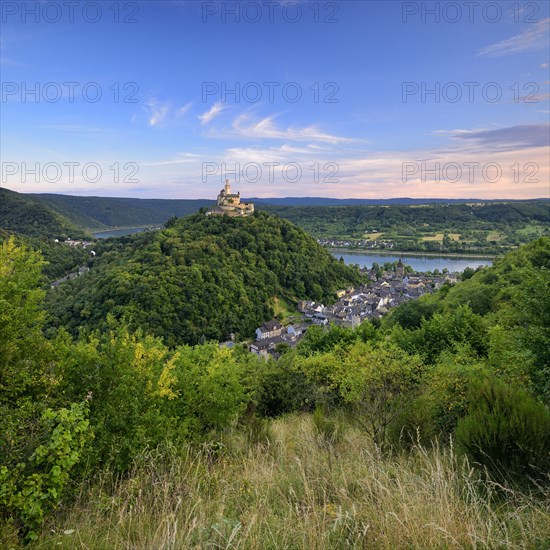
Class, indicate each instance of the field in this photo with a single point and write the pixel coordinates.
(372, 236)
(288, 485)
(439, 237)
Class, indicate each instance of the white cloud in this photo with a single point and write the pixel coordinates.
(183, 110)
(160, 112)
(212, 113)
(534, 38)
(246, 126)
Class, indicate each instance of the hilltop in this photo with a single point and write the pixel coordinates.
(203, 277)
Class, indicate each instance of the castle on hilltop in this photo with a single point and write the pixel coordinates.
(230, 204)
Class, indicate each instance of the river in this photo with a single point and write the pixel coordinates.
(419, 262)
(119, 232)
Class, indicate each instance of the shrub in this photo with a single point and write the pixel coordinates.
(506, 430)
(442, 401)
(31, 489)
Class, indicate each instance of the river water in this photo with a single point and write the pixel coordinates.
(118, 232)
(419, 262)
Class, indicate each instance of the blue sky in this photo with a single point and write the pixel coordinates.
(164, 128)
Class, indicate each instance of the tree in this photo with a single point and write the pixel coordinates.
(376, 383)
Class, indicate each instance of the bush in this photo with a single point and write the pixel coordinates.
(506, 430)
(32, 488)
(442, 401)
(282, 388)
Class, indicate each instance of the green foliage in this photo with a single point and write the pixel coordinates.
(143, 394)
(376, 384)
(515, 295)
(318, 339)
(32, 488)
(24, 214)
(445, 332)
(201, 279)
(506, 430)
(441, 400)
(21, 319)
(372, 381)
(26, 374)
(282, 388)
(410, 314)
(59, 258)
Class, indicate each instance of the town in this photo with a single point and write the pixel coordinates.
(373, 300)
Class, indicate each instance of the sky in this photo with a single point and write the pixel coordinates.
(351, 98)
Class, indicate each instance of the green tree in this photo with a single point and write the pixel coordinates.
(507, 431)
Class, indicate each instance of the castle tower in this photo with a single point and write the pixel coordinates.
(227, 187)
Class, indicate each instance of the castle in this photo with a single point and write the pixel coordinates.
(230, 204)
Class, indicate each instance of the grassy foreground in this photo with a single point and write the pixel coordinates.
(289, 486)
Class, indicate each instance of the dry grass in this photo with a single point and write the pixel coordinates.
(372, 236)
(439, 237)
(294, 490)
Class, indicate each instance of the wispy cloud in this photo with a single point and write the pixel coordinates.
(534, 38)
(181, 158)
(511, 138)
(160, 112)
(183, 110)
(157, 110)
(212, 113)
(245, 125)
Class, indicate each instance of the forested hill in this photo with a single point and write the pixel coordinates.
(356, 220)
(200, 278)
(27, 216)
(106, 212)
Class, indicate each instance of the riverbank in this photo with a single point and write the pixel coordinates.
(418, 253)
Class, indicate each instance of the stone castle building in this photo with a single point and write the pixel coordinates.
(230, 204)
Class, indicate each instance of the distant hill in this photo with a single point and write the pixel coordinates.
(96, 213)
(322, 201)
(28, 216)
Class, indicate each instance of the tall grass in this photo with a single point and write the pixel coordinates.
(289, 488)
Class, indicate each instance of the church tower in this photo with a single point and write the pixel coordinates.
(400, 267)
